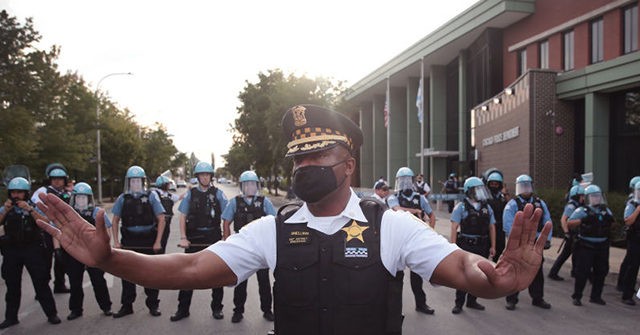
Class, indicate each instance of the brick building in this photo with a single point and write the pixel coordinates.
(546, 87)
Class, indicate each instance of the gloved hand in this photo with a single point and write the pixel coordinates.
(547, 244)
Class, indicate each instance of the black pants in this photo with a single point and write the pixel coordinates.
(129, 289)
(536, 288)
(34, 258)
(625, 263)
(75, 270)
(592, 259)
(264, 289)
(479, 246)
(564, 255)
(631, 274)
(418, 292)
(500, 242)
(184, 297)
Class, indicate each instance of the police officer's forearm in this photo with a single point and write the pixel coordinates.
(201, 270)
(432, 220)
(573, 223)
(492, 236)
(460, 270)
(453, 237)
(564, 224)
(114, 228)
(183, 227)
(226, 230)
(631, 219)
(161, 227)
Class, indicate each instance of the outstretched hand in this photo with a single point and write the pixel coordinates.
(522, 257)
(83, 241)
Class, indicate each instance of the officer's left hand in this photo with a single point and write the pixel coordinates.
(492, 252)
(23, 204)
(157, 246)
(522, 256)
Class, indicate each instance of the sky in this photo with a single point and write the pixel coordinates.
(190, 59)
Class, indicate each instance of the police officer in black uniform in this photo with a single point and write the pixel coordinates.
(142, 217)
(497, 200)
(57, 178)
(593, 221)
(167, 199)
(632, 221)
(82, 202)
(22, 245)
(477, 231)
(241, 210)
(576, 200)
(200, 222)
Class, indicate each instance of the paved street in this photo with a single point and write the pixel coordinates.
(526, 319)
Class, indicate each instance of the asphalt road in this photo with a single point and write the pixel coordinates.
(563, 317)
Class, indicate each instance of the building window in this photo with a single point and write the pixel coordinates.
(630, 29)
(567, 50)
(522, 61)
(544, 54)
(597, 41)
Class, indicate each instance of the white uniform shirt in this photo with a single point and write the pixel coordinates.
(405, 241)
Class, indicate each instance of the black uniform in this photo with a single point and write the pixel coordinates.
(633, 253)
(592, 251)
(75, 269)
(568, 247)
(450, 187)
(138, 233)
(58, 266)
(497, 203)
(473, 237)
(321, 290)
(167, 204)
(203, 229)
(243, 214)
(22, 246)
(415, 279)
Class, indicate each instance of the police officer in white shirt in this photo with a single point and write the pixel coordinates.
(337, 261)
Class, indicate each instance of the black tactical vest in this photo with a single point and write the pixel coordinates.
(596, 224)
(246, 213)
(537, 203)
(477, 221)
(87, 214)
(634, 229)
(335, 284)
(20, 229)
(413, 202)
(497, 203)
(202, 226)
(139, 227)
(167, 203)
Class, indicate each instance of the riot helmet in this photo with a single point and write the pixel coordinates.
(576, 193)
(636, 193)
(495, 182)
(593, 196)
(249, 183)
(163, 182)
(201, 170)
(135, 180)
(475, 190)
(524, 186)
(633, 182)
(18, 184)
(82, 197)
(404, 181)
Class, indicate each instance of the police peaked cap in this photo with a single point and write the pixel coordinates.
(311, 128)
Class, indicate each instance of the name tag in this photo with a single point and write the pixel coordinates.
(299, 238)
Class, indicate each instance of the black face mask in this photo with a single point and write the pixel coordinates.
(312, 183)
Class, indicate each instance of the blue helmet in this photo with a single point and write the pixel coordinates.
(404, 172)
(53, 166)
(472, 182)
(135, 172)
(82, 188)
(203, 167)
(634, 181)
(576, 190)
(524, 185)
(591, 189)
(161, 180)
(19, 184)
(249, 176)
(524, 178)
(495, 176)
(57, 173)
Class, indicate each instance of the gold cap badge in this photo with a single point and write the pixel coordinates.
(298, 116)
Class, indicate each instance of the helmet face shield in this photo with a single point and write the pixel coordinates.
(81, 202)
(249, 188)
(404, 183)
(636, 195)
(595, 199)
(525, 188)
(134, 185)
(479, 193)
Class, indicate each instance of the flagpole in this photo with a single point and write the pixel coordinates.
(421, 85)
(388, 132)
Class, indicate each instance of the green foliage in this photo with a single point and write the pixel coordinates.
(257, 142)
(49, 117)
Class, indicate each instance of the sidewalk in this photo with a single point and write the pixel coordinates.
(616, 255)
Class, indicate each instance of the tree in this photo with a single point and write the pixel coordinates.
(257, 140)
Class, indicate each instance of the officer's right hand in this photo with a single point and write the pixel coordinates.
(117, 245)
(184, 243)
(87, 243)
(9, 204)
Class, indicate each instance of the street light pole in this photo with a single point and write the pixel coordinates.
(98, 154)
